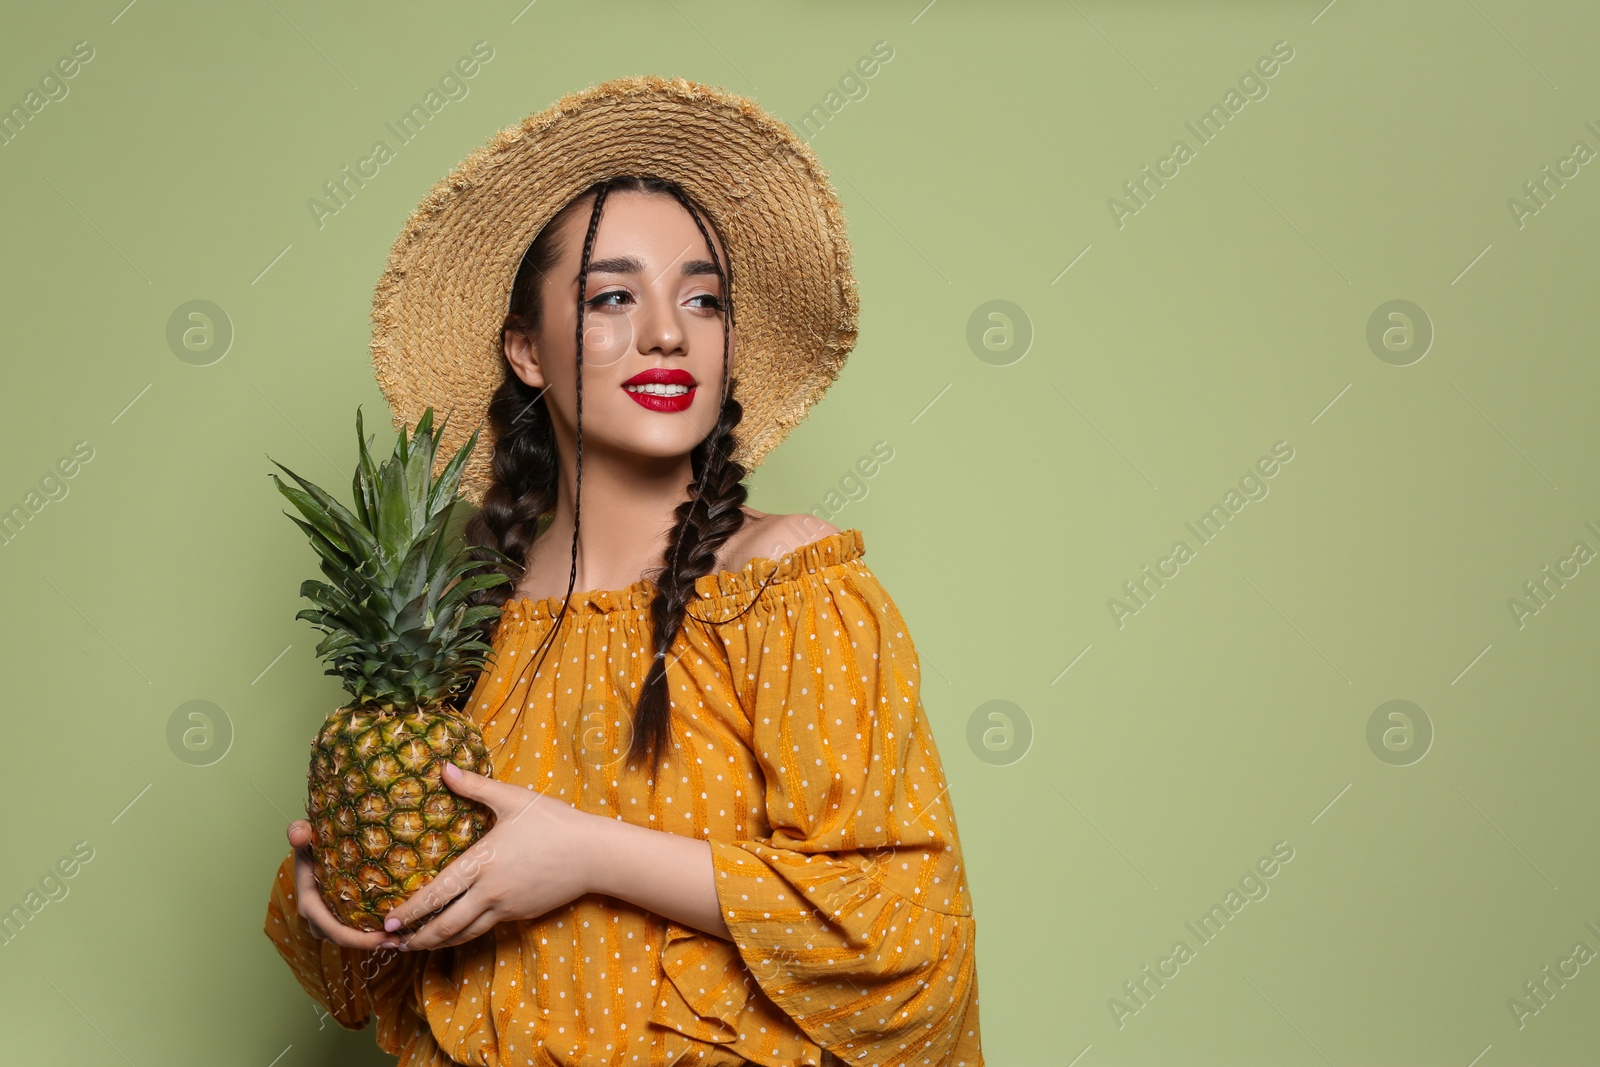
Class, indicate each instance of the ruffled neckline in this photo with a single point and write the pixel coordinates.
(827, 551)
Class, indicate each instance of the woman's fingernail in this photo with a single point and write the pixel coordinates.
(391, 925)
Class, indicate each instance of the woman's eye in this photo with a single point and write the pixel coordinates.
(600, 300)
(714, 302)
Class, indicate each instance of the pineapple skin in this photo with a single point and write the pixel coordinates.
(383, 821)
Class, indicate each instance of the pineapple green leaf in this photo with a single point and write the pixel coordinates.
(442, 545)
(361, 484)
(467, 586)
(338, 641)
(445, 488)
(472, 616)
(456, 568)
(410, 582)
(420, 471)
(335, 562)
(394, 512)
(398, 627)
(464, 617)
(322, 508)
(323, 502)
(316, 617)
(309, 508)
(502, 560)
(457, 624)
(433, 533)
(324, 547)
(347, 613)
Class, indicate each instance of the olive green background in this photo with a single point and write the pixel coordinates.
(1137, 771)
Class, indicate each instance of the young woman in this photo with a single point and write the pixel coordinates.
(723, 834)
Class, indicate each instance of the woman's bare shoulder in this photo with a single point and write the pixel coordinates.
(770, 536)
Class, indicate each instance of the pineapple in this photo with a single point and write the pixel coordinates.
(404, 642)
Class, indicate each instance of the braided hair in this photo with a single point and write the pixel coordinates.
(523, 491)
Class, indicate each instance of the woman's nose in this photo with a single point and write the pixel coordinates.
(658, 326)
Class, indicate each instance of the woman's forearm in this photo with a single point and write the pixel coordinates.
(666, 873)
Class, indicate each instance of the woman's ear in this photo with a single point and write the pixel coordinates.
(523, 355)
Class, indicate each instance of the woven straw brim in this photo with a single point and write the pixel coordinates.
(440, 304)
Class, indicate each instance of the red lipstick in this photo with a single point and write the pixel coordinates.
(669, 399)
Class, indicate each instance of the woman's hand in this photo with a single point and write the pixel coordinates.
(536, 857)
(323, 923)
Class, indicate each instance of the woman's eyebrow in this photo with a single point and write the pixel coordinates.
(633, 265)
(616, 265)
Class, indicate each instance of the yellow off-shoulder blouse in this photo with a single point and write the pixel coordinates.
(801, 752)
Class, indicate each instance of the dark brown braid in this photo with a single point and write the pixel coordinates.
(525, 468)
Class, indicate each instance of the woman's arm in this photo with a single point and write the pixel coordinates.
(851, 910)
(541, 853)
(665, 873)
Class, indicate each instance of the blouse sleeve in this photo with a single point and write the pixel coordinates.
(853, 913)
(351, 984)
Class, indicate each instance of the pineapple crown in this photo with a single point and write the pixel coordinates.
(399, 630)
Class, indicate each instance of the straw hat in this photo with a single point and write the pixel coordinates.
(439, 306)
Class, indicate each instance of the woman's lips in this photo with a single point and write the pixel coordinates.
(656, 402)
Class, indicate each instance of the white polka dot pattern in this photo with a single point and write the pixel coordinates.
(802, 753)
